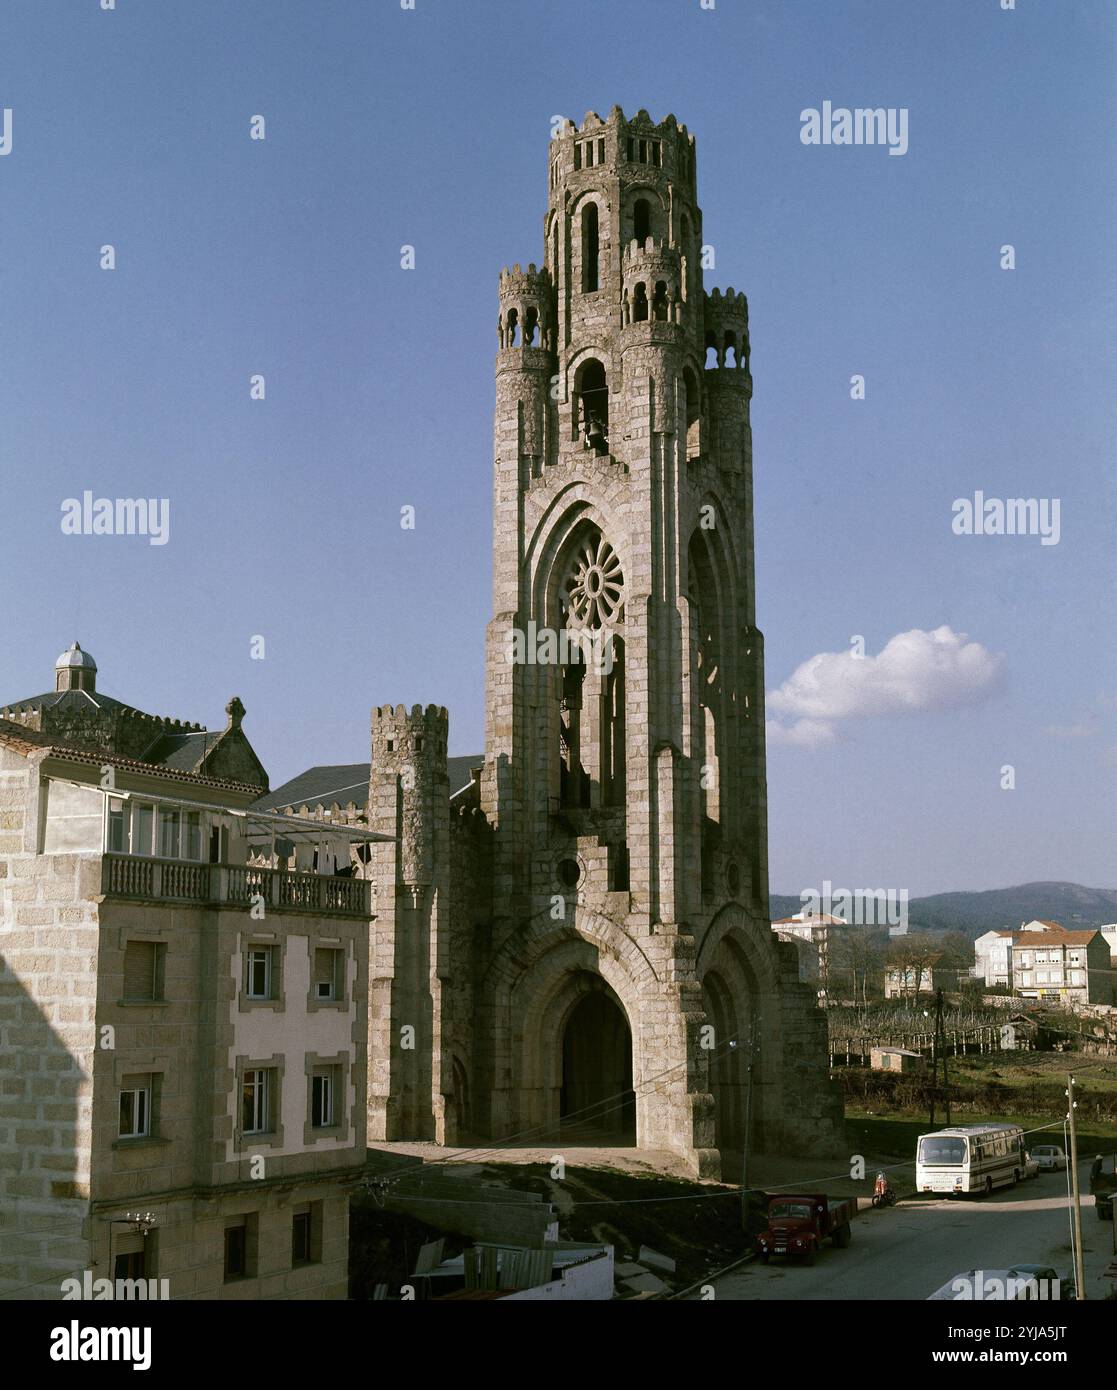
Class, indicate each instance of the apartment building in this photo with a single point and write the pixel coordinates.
(993, 958)
(809, 932)
(183, 1015)
(1058, 964)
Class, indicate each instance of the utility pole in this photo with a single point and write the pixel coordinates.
(1079, 1271)
(748, 1110)
(940, 1047)
(747, 1128)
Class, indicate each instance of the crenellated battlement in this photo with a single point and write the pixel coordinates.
(526, 308)
(651, 277)
(636, 150)
(726, 326)
(653, 252)
(431, 719)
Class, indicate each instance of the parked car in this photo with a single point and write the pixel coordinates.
(995, 1285)
(1103, 1185)
(1031, 1166)
(1050, 1157)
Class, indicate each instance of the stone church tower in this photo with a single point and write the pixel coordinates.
(589, 944)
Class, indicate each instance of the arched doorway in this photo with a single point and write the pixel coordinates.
(597, 1097)
(728, 1064)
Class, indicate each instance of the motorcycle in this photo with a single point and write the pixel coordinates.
(884, 1194)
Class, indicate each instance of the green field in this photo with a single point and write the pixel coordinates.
(894, 1136)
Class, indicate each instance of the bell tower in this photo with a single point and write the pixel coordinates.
(624, 777)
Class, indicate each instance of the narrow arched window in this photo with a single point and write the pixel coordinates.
(641, 220)
(589, 248)
(640, 304)
(592, 390)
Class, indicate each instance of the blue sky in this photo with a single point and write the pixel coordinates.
(429, 127)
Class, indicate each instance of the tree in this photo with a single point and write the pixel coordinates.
(957, 951)
(859, 953)
(914, 956)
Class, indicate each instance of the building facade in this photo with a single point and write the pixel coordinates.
(581, 941)
(993, 958)
(900, 981)
(1057, 965)
(184, 1032)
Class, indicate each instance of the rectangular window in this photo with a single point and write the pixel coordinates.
(256, 1101)
(643, 152)
(300, 1238)
(577, 166)
(170, 821)
(129, 1265)
(143, 828)
(323, 1098)
(118, 828)
(655, 153)
(143, 970)
(259, 972)
(192, 848)
(135, 1108)
(601, 150)
(306, 1234)
(328, 974)
(236, 1251)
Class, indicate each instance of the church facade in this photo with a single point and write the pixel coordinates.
(575, 939)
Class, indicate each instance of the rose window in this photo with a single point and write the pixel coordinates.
(594, 588)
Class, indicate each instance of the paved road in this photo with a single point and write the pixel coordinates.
(912, 1249)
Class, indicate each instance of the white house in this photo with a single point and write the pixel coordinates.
(993, 958)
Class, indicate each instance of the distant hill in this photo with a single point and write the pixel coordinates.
(972, 914)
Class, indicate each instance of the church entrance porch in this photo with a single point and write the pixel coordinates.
(597, 1103)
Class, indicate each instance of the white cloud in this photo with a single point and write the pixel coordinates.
(916, 671)
(804, 733)
(1084, 728)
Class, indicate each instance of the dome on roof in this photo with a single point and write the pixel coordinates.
(75, 657)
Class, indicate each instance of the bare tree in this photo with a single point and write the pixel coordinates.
(858, 952)
(914, 956)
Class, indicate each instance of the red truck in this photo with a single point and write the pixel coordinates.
(798, 1223)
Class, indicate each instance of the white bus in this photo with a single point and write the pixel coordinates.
(970, 1158)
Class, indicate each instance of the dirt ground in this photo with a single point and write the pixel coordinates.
(627, 1198)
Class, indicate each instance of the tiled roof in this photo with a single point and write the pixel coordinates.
(25, 741)
(185, 752)
(342, 783)
(1024, 941)
(63, 699)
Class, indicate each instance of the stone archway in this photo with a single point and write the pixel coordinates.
(740, 995)
(596, 1095)
(729, 1062)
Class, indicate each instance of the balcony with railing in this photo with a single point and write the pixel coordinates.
(233, 885)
